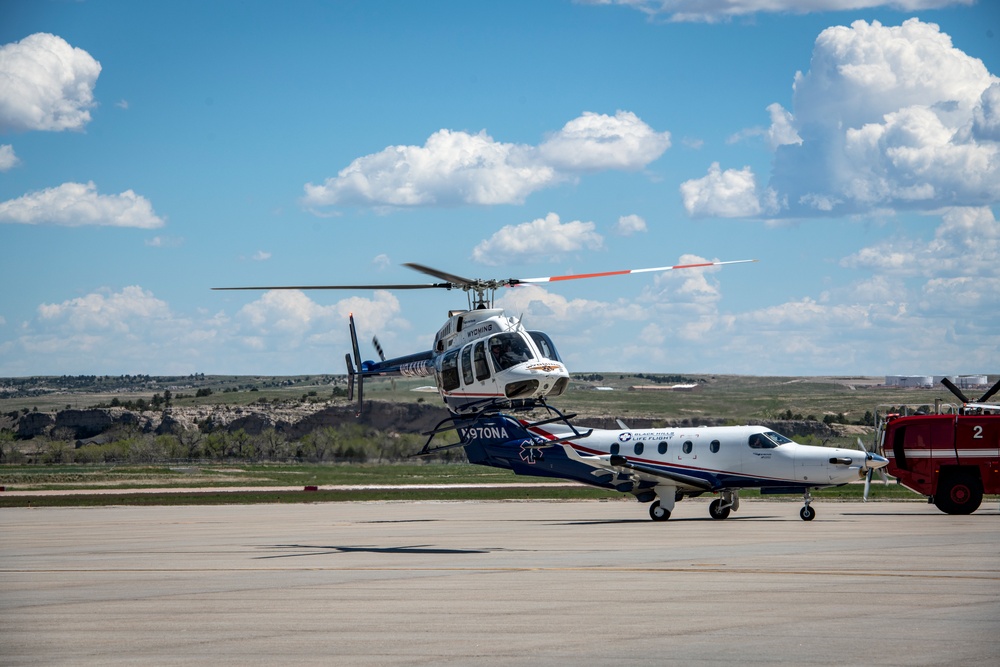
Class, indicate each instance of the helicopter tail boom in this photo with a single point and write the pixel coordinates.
(420, 364)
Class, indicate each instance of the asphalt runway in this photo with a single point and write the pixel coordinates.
(499, 583)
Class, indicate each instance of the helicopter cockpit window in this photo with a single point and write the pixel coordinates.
(509, 349)
(479, 357)
(467, 376)
(544, 345)
(449, 371)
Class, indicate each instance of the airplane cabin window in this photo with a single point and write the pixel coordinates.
(662, 448)
(482, 368)
(714, 447)
(638, 448)
(615, 449)
(467, 376)
(688, 446)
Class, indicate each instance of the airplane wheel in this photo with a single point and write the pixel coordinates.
(807, 513)
(657, 512)
(717, 511)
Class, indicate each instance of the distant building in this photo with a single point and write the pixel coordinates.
(925, 381)
(661, 387)
(909, 381)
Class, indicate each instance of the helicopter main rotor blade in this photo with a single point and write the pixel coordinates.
(552, 279)
(305, 287)
(450, 277)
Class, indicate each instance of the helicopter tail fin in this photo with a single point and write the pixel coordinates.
(351, 373)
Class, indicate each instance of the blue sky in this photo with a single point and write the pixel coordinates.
(150, 151)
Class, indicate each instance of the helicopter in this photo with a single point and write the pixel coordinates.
(482, 359)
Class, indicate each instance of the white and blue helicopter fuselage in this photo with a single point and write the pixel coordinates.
(664, 465)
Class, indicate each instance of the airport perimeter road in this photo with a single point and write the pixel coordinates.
(499, 583)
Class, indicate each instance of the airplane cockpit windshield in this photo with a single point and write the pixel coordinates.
(509, 349)
(768, 440)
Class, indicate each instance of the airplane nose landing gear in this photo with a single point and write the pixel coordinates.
(807, 513)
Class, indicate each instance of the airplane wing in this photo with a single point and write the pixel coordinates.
(615, 463)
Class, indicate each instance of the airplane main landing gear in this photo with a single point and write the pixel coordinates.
(807, 513)
(658, 512)
(721, 507)
(717, 511)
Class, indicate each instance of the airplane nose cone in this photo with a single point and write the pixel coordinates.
(874, 462)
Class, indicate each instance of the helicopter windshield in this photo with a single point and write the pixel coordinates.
(509, 349)
(544, 345)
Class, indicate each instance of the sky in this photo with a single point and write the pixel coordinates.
(150, 151)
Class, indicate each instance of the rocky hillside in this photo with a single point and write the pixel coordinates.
(291, 421)
(295, 422)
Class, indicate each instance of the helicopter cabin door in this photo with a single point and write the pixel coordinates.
(478, 380)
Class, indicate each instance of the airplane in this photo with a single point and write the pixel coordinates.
(664, 465)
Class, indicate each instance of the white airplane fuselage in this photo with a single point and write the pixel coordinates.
(667, 464)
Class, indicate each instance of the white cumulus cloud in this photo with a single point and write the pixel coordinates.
(628, 225)
(728, 194)
(457, 168)
(595, 142)
(886, 118)
(8, 159)
(544, 237)
(78, 204)
(46, 84)
(101, 311)
(715, 11)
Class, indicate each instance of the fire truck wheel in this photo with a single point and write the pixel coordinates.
(959, 494)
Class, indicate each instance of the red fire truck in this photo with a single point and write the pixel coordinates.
(949, 454)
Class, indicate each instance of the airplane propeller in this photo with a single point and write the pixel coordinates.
(869, 469)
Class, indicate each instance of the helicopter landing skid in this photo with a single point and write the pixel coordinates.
(457, 422)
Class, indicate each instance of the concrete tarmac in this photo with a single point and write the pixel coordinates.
(499, 583)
